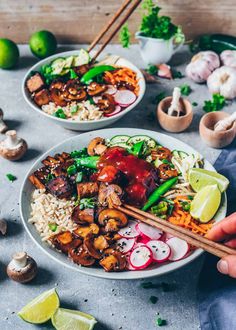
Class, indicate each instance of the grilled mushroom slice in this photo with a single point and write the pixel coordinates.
(65, 241)
(166, 172)
(81, 257)
(109, 195)
(95, 89)
(73, 91)
(113, 261)
(112, 219)
(161, 153)
(96, 146)
(88, 245)
(106, 103)
(82, 217)
(101, 243)
(57, 97)
(83, 231)
(87, 189)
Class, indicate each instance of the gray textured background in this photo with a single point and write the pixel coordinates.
(117, 305)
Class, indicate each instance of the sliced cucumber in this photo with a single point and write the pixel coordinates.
(119, 139)
(68, 62)
(82, 58)
(121, 144)
(137, 138)
(180, 154)
(58, 65)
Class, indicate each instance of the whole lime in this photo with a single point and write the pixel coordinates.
(43, 44)
(9, 54)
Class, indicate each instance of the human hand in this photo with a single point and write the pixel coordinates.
(225, 231)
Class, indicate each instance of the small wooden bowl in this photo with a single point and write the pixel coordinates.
(171, 123)
(213, 138)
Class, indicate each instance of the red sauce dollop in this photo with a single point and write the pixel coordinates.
(141, 175)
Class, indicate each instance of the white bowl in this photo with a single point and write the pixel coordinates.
(80, 125)
(81, 141)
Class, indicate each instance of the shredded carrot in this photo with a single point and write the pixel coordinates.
(123, 76)
(184, 219)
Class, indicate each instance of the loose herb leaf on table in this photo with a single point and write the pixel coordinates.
(185, 89)
(11, 177)
(217, 103)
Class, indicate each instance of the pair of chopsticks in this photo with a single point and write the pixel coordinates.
(109, 25)
(196, 240)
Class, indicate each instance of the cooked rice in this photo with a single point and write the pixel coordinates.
(84, 111)
(47, 209)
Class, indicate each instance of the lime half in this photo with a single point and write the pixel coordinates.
(66, 319)
(206, 203)
(199, 178)
(41, 308)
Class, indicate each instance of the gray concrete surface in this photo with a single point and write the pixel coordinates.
(116, 305)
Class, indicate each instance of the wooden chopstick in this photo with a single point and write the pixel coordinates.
(109, 24)
(117, 28)
(198, 241)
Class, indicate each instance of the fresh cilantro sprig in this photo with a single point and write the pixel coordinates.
(11, 177)
(185, 90)
(217, 103)
(124, 36)
(152, 69)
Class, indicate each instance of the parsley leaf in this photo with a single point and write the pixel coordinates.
(153, 299)
(176, 74)
(52, 226)
(194, 104)
(160, 322)
(124, 36)
(11, 177)
(185, 89)
(217, 103)
(152, 69)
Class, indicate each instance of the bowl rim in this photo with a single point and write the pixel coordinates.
(142, 84)
(126, 275)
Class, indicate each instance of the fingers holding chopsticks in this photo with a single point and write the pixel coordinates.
(224, 229)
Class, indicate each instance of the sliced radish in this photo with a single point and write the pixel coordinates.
(128, 264)
(143, 239)
(125, 245)
(115, 112)
(167, 236)
(147, 231)
(129, 231)
(124, 97)
(160, 250)
(111, 90)
(141, 257)
(179, 248)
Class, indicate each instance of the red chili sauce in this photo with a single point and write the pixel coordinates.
(141, 176)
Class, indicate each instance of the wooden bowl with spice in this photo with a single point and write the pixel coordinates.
(175, 121)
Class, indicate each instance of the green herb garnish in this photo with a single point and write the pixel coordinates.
(185, 206)
(73, 74)
(49, 177)
(166, 161)
(52, 226)
(11, 177)
(71, 170)
(153, 299)
(74, 109)
(194, 104)
(91, 101)
(79, 153)
(176, 74)
(160, 322)
(217, 103)
(87, 203)
(124, 36)
(60, 114)
(152, 69)
(79, 177)
(185, 89)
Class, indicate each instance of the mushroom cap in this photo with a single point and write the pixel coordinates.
(15, 153)
(24, 274)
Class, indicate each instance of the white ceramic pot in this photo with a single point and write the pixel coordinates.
(157, 51)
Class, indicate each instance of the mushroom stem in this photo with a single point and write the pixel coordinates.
(3, 126)
(20, 260)
(12, 141)
(175, 106)
(224, 124)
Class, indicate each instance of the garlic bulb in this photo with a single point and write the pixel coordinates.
(228, 58)
(223, 81)
(202, 65)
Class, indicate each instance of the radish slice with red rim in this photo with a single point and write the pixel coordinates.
(128, 264)
(129, 231)
(125, 245)
(160, 250)
(143, 239)
(111, 90)
(147, 231)
(124, 98)
(179, 248)
(115, 112)
(141, 257)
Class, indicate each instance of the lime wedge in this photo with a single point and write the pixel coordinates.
(66, 319)
(199, 178)
(205, 203)
(41, 308)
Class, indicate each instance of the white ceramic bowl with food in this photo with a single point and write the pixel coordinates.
(80, 125)
(82, 141)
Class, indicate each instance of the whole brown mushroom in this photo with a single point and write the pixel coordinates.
(22, 268)
(13, 147)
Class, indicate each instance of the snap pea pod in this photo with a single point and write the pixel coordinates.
(90, 162)
(88, 76)
(137, 149)
(161, 190)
